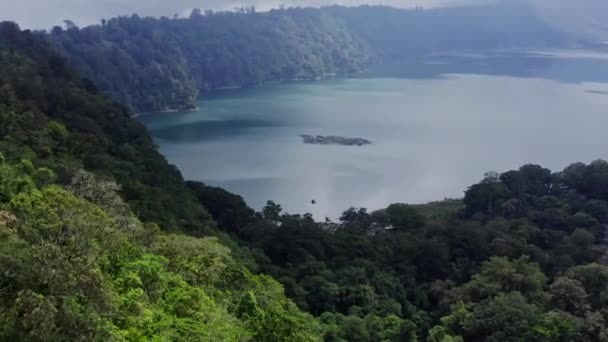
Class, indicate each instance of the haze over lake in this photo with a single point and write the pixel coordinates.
(437, 125)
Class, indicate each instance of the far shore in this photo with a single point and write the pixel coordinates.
(327, 76)
(166, 111)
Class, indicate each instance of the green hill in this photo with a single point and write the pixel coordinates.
(92, 220)
(161, 64)
(102, 240)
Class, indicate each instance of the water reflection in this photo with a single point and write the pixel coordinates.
(437, 124)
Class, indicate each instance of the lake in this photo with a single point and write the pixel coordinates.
(437, 125)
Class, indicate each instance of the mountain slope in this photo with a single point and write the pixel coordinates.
(161, 64)
(397, 34)
(101, 239)
(82, 194)
(40, 90)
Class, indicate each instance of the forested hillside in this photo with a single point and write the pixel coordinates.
(63, 120)
(159, 64)
(395, 34)
(102, 240)
(521, 258)
(92, 224)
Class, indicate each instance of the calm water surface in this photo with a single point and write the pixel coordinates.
(437, 126)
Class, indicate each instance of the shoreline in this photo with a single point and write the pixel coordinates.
(165, 111)
(202, 93)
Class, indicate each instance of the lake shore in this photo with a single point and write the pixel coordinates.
(166, 111)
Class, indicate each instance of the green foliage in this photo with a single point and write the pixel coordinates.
(501, 265)
(554, 326)
(269, 315)
(229, 211)
(484, 198)
(594, 279)
(53, 245)
(162, 64)
(153, 64)
(200, 261)
(402, 216)
(66, 125)
(12, 182)
(76, 263)
(439, 334)
(155, 304)
(54, 216)
(71, 271)
(506, 317)
(102, 240)
(499, 275)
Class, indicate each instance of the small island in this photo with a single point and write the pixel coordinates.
(597, 92)
(333, 140)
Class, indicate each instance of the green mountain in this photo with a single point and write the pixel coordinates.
(161, 64)
(92, 223)
(102, 240)
(396, 34)
(153, 64)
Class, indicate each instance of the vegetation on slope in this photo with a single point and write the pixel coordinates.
(101, 239)
(159, 64)
(520, 258)
(153, 64)
(78, 265)
(59, 120)
(82, 256)
(395, 34)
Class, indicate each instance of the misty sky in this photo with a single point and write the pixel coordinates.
(589, 16)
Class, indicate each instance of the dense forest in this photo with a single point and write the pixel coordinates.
(159, 64)
(521, 257)
(395, 34)
(153, 64)
(103, 240)
(93, 225)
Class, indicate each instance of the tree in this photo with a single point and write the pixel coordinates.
(486, 197)
(228, 210)
(272, 211)
(200, 261)
(196, 13)
(70, 25)
(500, 275)
(507, 317)
(569, 295)
(402, 216)
(594, 278)
(554, 326)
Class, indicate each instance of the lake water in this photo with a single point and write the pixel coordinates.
(437, 125)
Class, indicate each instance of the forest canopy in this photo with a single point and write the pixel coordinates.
(161, 64)
(102, 239)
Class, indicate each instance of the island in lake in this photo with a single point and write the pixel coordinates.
(597, 92)
(333, 140)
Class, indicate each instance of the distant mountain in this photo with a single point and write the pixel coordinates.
(396, 33)
(586, 18)
(161, 64)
